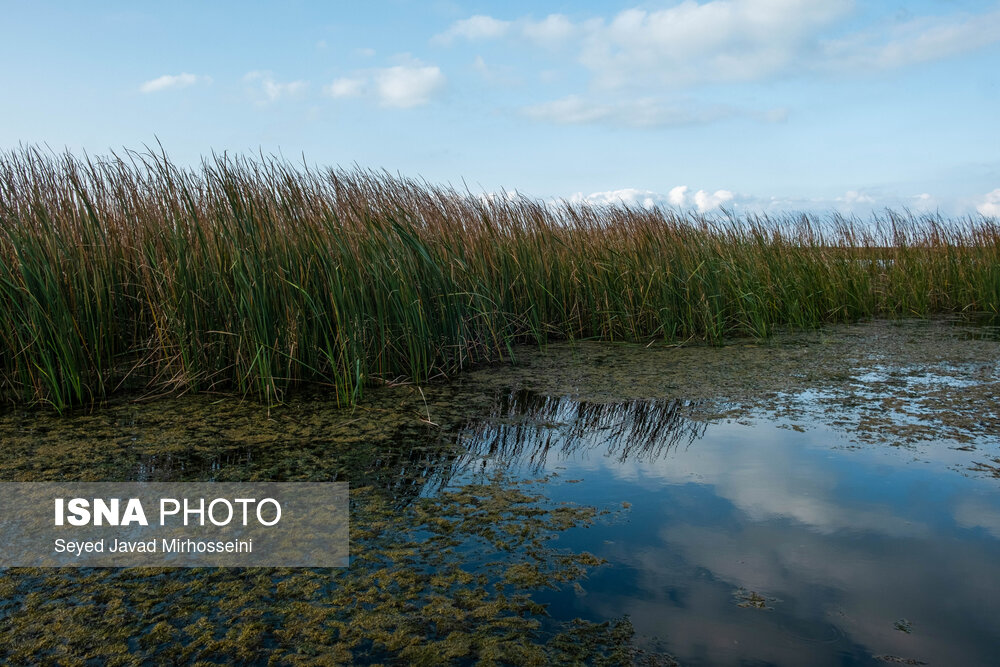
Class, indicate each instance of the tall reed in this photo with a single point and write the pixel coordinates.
(252, 275)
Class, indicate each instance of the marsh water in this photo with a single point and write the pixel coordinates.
(828, 497)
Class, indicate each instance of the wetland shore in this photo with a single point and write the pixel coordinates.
(573, 434)
(603, 502)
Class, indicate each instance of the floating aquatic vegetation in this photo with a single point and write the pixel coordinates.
(447, 579)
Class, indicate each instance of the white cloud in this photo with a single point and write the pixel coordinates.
(552, 31)
(990, 206)
(693, 42)
(474, 28)
(637, 60)
(627, 196)
(365, 53)
(345, 87)
(702, 200)
(410, 85)
(678, 195)
(705, 201)
(168, 81)
(710, 202)
(273, 90)
(855, 197)
(723, 40)
(853, 202)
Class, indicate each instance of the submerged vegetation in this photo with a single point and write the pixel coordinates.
(254, 275)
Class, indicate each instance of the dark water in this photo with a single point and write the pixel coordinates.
(834, 501)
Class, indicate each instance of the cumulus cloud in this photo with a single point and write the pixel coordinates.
(852, 202)
(692, 43)
(702, 200)
(168, 81)
(345, 87)
(990, 206)
(638, 60)
(705, 201)
(410, 85)
(723, 40)
(628, 196)
(271, 89)
(474, 28)
(678, 195)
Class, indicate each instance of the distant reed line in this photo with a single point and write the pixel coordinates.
(253, 275)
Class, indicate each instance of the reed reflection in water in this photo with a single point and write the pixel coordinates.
(529, 430)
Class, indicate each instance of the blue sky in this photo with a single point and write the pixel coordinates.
(751, 104)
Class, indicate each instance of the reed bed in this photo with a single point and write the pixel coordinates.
(253, 275)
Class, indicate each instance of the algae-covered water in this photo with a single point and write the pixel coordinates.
(822, 498)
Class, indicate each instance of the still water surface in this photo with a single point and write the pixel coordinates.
(752, 542)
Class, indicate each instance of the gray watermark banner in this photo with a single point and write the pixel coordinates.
(182, 524)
